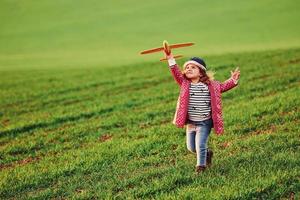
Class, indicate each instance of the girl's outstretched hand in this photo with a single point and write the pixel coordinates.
(170, 56)
(235, 74)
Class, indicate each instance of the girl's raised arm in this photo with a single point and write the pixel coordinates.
(177, 75)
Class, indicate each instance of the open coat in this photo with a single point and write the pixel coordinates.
(215, 89)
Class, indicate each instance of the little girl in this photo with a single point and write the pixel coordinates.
(199, 105)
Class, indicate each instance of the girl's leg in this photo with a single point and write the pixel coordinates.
(202, 133)
(190, 137)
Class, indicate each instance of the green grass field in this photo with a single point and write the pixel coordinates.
(87, 134)
(83, 116)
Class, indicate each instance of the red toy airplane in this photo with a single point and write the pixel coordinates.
(167, 48)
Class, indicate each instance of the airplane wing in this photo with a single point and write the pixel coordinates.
(173, 46)
(152, 50)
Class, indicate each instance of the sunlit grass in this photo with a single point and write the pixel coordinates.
(107, 133)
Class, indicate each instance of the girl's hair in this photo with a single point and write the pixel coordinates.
(205, 76)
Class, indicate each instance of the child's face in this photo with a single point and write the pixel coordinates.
(192, 71)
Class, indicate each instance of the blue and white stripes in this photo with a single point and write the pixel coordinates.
(199, 102)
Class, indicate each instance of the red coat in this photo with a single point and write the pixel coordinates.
(215, 89)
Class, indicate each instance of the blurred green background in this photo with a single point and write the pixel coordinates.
(73, 33)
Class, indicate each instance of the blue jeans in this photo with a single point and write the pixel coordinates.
(197, 137)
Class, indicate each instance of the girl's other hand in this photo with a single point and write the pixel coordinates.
(235, 74)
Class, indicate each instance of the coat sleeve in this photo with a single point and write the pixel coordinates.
(228, 84)
(176, 73)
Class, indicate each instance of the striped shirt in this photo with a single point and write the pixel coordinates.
(199, 102)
